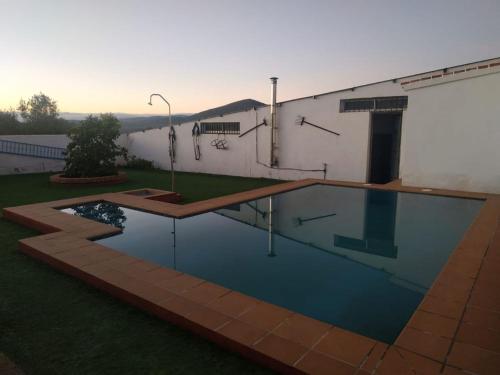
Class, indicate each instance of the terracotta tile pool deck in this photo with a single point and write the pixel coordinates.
(455, 329)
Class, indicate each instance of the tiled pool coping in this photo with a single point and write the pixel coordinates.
(456, 327)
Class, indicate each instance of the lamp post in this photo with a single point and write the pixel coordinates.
(171, 138)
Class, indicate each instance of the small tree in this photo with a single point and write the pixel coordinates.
(92, 151)
(40, 115)
(39, 109)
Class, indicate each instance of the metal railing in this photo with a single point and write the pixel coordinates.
(28, 149)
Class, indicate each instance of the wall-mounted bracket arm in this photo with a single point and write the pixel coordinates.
(302, 120)
(263, 123)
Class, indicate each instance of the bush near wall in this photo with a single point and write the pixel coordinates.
(139, 163)
(92, 151)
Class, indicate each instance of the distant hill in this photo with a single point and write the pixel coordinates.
(78, 116)
(141, 123)
(240, 105)
(132, 123)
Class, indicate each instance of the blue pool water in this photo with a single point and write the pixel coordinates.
(357, 258)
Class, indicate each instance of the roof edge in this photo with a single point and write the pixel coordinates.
(395, 80)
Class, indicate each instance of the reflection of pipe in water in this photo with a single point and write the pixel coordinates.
(270, 243)
(175, 255)
(256, 209)
(299, 221)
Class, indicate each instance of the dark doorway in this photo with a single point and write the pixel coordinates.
(384, 150)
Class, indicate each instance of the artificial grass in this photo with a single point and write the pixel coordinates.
(51, 323)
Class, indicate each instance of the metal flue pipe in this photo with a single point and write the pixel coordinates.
(171, 151)
(274, 138)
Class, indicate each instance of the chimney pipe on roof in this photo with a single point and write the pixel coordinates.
(274, 141)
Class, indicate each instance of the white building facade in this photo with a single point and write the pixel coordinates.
(439, 129)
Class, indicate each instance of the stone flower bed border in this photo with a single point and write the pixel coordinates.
(102, 180)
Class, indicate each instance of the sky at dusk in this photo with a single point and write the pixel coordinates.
(108, 56)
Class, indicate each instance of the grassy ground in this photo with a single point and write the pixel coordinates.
(53, 324)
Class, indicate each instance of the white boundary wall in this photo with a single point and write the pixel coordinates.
(52, 140)
(450, 136)
(14, 164)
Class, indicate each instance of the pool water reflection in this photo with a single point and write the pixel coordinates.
(359, 259)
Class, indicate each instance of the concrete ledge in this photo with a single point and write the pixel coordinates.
(156, 195)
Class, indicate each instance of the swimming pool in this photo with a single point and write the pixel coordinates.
(357, 258)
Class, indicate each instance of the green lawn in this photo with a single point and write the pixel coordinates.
(52, 324)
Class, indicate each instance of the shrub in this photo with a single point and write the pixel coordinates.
(138, 163)
(92, 151)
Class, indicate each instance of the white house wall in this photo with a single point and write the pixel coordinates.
(238, 159)
(299, 147)
(306, 147)
(451, 135)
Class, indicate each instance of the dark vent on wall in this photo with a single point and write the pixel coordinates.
(220, 128)
(353, 105)
(390, 103)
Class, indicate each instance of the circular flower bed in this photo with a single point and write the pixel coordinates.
(92, 152)
(103, 180)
